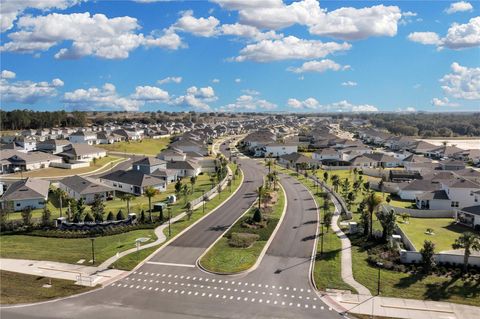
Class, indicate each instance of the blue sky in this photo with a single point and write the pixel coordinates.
(241, 55)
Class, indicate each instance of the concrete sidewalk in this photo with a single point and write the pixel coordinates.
(404, 308)
(81, 274)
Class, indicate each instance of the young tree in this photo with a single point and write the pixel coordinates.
(327, 219)
(120, 215)
(428, 251)
(185, 193)
(345, 187)
(257, 215)
(372, 202)
(150, 192)
(80, 206)
(193, 180)
(98, 208)
(387, 220)
(88, 218)
(325, 177)
(27, 216)
(61, 196)
(189, 210)
(468, 241)
(46, 216)
(261, 192)
(335, 182)
(142, 216)
(178, 188)
(127, 197)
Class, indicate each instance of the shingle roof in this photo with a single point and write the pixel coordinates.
(475, 210)
(437, 194)
(27, 189)
(421, 185)
(181, 165)
(149, 161)
(132, 177)
(83, 185)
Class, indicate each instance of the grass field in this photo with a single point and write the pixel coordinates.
(69, 250)
(145, 147)
(59, 172)
(413, 286)
(445, 231)
(226, 259)
(130, 261)
(18, 288)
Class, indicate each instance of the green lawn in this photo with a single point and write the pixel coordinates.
(145, 147)
(69, 250)
(16, 288)
(445, 232)
(59, 172)
(413, 286)
(130, 261)
(223, 258)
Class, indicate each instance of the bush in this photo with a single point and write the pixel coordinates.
(110, 216)
(242, 240)
(120, 215)
(257, 216)
(88, 218)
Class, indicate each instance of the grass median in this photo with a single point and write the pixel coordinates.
(146, 146)
(223, 258)
(16, 288)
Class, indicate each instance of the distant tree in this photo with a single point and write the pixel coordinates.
(127, 197)
(98, 208)
(46, 216)
(150, 192)
(372, 202)
(428, 252)
(189, 210)
(257, 215)
(325, 177)
(193, 180)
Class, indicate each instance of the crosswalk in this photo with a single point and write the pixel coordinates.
(221, 289)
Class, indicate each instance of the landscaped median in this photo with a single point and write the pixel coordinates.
(248, 238)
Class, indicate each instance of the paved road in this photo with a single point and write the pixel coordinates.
(279, 288)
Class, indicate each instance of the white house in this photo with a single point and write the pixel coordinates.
(84, 187)
(469, 216)
(28, 144)
(31, 193)
(279, 149)
(327, 154)
(132, 181)
(81, 137)
(83, 152)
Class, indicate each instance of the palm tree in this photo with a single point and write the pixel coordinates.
(335, 182)
(193, 180)
(185, 192)
(126, 197)
(325, 177)
(269, 165)
(61, 194)
(150, 192)
(468, 241)
(261, 192)
(373, 201)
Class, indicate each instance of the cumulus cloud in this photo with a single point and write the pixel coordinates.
(288, 48)
(309, 103)
(97, 35)
(215, 81)
(349, 83)
(238, 80)
(248, 103)
(6, 74)
(443, 102)
(197, 98)
(150, 93)
(251, 92)
(459, 36)
(460, 6)
(462, 83)
(170, 79)
(248, 31)
(204, 27)
(105, 97)
(27, 92)
(319, 66)
(11, 9)
(248, 4)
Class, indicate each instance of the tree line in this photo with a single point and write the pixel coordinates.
(28, 119)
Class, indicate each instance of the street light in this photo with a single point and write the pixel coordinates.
(321, 241)
(93, 250)
(203, 204)
(379, 264)
(169, 221)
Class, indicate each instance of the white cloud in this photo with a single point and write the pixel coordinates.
(345, 106)
(459, 36)
(462, 83)
(309, 103)
(248, 31)
(150, 93)
(429, 38)
(11, 9)
(237, 80)
(248, 103)
(197, 98)
(349, 83)
(251, 92)
(27, 92)
(8, 74)
(460, 6)
(318, 66)
(409, 109)
(97, 35)
(216, 81)
(289, 48)
(205, 27)
(248, 4)
(105, 97)
(443, 102)
(170, 79)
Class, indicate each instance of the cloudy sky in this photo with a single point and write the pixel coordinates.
(240, 55)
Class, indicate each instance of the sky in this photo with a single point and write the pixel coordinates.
(240, 55)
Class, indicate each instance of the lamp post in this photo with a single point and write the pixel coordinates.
(203, 204)
(321, 241)
(93, 250)
(169, 221)
(379, 264)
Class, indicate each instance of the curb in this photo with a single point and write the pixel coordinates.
(262, 253)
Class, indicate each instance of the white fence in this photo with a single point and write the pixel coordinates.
(71, 165)
(409, 257)
(421, 213)
(211, 193)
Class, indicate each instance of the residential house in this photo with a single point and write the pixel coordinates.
(468, 156)
(421, 147)
(84, 187)
(83, 152)
(28, 144)
(30, 193)
(297, 159)
(172, 154)
(184, 168)
(452, 165)
(31, 161)
(279, 149)
(83, 137)
(469, 216)
(189, 145)
(443, 152)
(53, 146)
(327, 155)
(132, 181)
(148, 165)
(410, 190)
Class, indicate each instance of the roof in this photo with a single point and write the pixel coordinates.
(280, 144)
(380, 157)
(421, 185)
(27, 189)
(181, 165)
(84, 149)
(436, 194)
(33, 157)
(54, 142)
(149, 161)
(361, 159)
(475, 210)
(132, 177)
(462, 183)
(84, 185)
(417, 159)
(297, 158)
(327, 151)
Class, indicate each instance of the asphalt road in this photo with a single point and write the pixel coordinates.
(170, 286)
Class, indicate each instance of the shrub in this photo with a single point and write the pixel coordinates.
(110, 216)
(120, 215)
(257, 216)
(242, 240)
(88, 218)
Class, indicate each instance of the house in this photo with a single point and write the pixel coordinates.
(399, 142)
(81, 137)
(184, 168)
(129, 135)
(398, 176)
(452, 165)
(297, 159)
(172, 154)
(84, 187)
(410, 190)
(421, 147)
(32, 160)
(132, 181)
(348, 153)
(83, 152)
(148, 165)
(468, 156)
(327, 154)
(469, 216)
(29, 193)
(413, 158)
(454, 192)
(26, 143)
(279, 149)
(443, 152)
(53, 146)
(383, 160)
(437, 199)
(189, 145)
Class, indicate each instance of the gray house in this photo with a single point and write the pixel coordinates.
(84, 187)
(31, 193)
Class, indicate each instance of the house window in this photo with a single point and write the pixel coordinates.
(18, 204)
(40, 203)
(454, 204)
